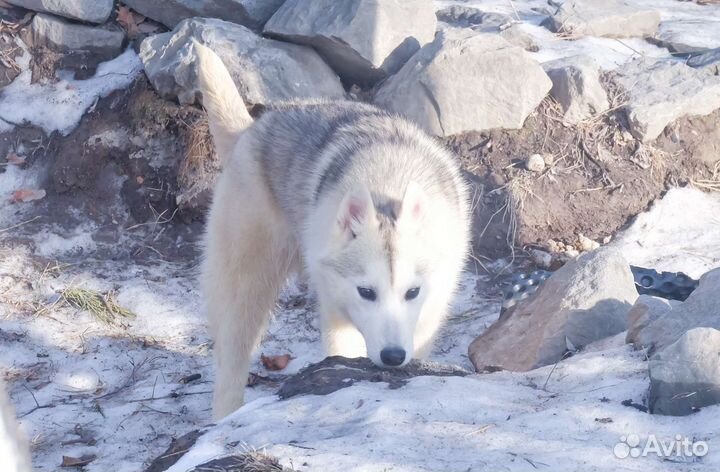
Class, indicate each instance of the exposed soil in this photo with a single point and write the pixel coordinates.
(597, 176)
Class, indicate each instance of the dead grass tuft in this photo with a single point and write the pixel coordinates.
(103, 306)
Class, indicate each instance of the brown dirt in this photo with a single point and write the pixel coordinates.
(599, 178)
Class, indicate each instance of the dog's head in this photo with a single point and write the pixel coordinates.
(376, 269)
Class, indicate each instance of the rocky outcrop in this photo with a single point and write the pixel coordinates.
(93, 11)
(250, 13)
(463, 82)
(362, 40)
(586, 300)
(605, 18)
(661, 91)
(264, 70)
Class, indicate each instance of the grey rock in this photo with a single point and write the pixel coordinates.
(685, 376)
(604, 18)
(709, 61)
(577, 87)
(517, 36)
(60, 34)
(466, 81)
(464, 17)
(586, 300)
(250, 13)
(661, 91)
(94, 11)
(700, 310)
(362, 40)
(689, 35)
(646, 310)
(266, 71)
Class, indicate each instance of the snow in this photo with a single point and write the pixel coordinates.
(61, 105)
(84, 387)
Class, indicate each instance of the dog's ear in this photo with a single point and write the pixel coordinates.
(414, 203)
(355, 211)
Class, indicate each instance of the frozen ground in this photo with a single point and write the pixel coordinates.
(117, 392)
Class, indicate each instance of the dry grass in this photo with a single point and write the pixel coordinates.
(200, 164)
(103, 306)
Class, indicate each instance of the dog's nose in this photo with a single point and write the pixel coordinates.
(392, 356)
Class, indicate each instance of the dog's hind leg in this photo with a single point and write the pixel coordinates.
(247, 257)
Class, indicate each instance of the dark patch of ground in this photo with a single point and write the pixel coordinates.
(597, 178)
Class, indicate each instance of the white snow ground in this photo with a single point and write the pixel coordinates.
(82, 387)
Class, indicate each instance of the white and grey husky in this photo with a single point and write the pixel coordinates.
(374, 210)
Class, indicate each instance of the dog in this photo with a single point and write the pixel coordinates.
(373, 210)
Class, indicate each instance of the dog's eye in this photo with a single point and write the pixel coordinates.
(367, 293)
(412, 293)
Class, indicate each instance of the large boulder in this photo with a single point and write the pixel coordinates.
(264, 70)
(685, 376)
(466, 81)
(586, 300)
(661, 91)
(250, 13)
(363, 40)
(700, 310)
(65, 36)
(93, 11)
(577, 87)
(690, 34)
(605, 18)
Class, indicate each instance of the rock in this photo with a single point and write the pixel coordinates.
(577, 87)
(362, 40)
(65, 36)
(661, 91)
(585, 300)
(689, 35)
(265, 71)
(93, 11)
(604, 18)
(685, 376)
(541, 258)
(709, 60)
(646, 310)
(535, 163)
(517, 36)
(586, 244)
(250, 13)
(464, 17)
(466, 81)
(699, 310)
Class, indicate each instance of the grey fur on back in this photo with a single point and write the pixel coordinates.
(307, 150)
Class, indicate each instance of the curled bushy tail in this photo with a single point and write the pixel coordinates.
(226, 110)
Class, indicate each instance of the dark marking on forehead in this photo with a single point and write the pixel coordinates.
(387, 214)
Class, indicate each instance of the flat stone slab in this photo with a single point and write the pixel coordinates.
(94, 11)
(661, 91)
(250, 13)
(65, 36)
(362, 40)
(604, 18)
(466, 81)
(265, 71)
(689, 35)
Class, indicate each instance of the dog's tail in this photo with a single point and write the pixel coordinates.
(226, 110)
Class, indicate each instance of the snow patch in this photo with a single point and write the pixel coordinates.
(60, 106)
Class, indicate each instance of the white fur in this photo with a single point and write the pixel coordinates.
(14, 455)
(261, 227)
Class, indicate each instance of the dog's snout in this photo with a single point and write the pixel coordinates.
(392, 356)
